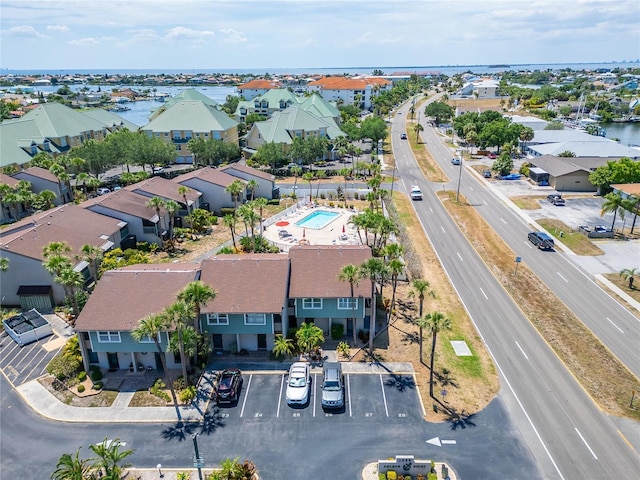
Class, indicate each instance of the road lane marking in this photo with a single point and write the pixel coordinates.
(280, 396)
(431, 209)
(459, 256)
(315, 396)
(528, 244)
(442, 228)
(349, 394)
(448, 442)
(503, 221)
(525, 355)
(485, 202)
(384, 397)
(246, 395)
(560, 275)
(485, 295)
(611, 322)
(585, 442)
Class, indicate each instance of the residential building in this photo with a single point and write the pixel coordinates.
(350, 91)
(22, 243)
(42, 179)
(266, 182)
(187, 119)
(11, 211)
(253, 88)
(272, 100)
(212, 183)
(251, 296)
(122, 298)
(315, 293)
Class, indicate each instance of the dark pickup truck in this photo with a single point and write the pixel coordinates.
(541, 240)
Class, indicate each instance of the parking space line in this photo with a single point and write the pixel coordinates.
(28, 354)
(384, 396)
(280, 396)
(349, 395)
(415, 382)
(246, 395)
(313, 391)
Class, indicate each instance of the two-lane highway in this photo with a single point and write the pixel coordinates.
(567, 433)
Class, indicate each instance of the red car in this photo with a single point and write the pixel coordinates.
(492, 155)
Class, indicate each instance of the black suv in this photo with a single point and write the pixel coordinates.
(556, 199)
(228, 386)
(541, 240)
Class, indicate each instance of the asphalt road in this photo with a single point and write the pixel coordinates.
(568, 435)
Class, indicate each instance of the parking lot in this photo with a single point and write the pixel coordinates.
(23, 364)
(369, 397)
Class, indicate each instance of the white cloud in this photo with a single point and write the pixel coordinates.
(22, 31)
(84, 41)
(58, 28)
(184, 33)
(232, 36)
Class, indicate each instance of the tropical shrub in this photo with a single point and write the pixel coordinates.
(82, 376)
(337, 331)
(97, 386)
(156, 389)
(343, 349)
(80, 388)
(188, 394)
(96, 375)
(391, 475)
(63, 366)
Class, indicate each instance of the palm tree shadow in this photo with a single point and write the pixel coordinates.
(461, 420)
(401, 382)
(180, 431)
(444, 378)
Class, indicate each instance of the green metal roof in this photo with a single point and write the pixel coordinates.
(281, 127)
(191, 115)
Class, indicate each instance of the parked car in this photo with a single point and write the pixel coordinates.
(492, 156)
(416, 193)
(332, 386)
(511, 176)
(298, 384)
(102, 191)
(455, 161)
(228, 386)
(486, 173)
(403, 136)
(556, 199)
(541, 240)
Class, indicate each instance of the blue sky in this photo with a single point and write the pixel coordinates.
(227, 34)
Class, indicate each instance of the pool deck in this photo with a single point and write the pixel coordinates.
(337, 232)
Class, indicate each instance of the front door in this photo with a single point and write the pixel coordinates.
(217, 342)
(113, 361)
(262, 341)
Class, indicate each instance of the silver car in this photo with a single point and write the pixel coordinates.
(298, 384)
(332, 386)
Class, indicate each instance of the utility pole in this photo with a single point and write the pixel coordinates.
(459, 178)
(198, 461)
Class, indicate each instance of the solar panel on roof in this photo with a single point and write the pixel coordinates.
(16, 320)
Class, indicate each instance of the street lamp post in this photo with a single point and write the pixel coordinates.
(459, 178)
(198, 461)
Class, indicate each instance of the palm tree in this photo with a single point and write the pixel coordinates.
(435, 322)
(345, 172)
(319, 174)
(396, 267)
(235, 189)
(282, 346)
(91, 254)
(4, 264)
(230, 469)
(420, 288)
(171, 206)
(252, 186)
(418, 128)
(526, 135)
(72, 468)
(260, 203)
(296, 172)
(109, 458)
(157, 203)
(71, 281)
(196, 294)
(309, 336)
(179, 314)
(629, 275)
(152, 326)
(373, 269)
(613, 202)
(309, 178)
(55, 248)
(230, 221)
(351, 274)
(182, 190)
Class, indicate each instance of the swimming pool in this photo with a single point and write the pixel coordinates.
(318, 219)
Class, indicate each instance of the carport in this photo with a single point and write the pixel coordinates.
(539, 176)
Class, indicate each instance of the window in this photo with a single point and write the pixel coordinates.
(109, 337)
(311, 303)
(347, 303)
(255, 319)
(147, 339)
(217, 319)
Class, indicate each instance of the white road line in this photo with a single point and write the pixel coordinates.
(485, 295)
(246, 395)
(471, 188)
(528, 244)
(280, 396)
(431, 209)
(459, 256)
(349, 395)
(448, 442)
(384, 397)
(562, 277)
(611, 322)
(525, 355)
(485, 202)
(442, 228)
(503, 221)
(314, 394)
(585, 442)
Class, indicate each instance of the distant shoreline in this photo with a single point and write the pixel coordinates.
(441, 69)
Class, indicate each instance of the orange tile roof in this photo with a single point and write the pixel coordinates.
(346, 83)
(259, 84)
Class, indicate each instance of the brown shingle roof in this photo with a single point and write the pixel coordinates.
(125, 296)
(70, 223)
(42, 173)
(248, 170)
(315, 270)
(253, 283)
(124, 201)
(161, 187)
(207, 174)
(7, 180)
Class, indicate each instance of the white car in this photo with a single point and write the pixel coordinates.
(298, 384)
(416, 193)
